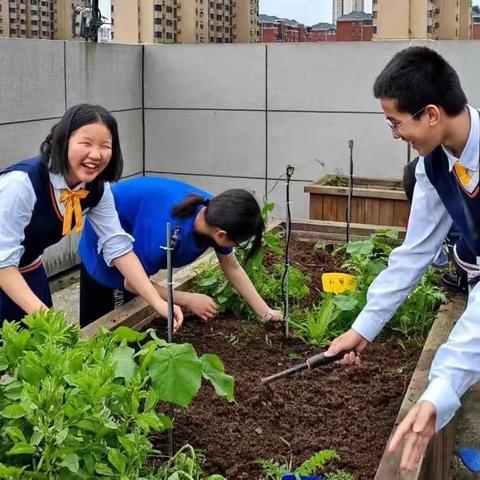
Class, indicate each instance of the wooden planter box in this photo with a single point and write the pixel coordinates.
(374, 201)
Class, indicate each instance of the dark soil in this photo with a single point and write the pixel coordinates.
(349, 410)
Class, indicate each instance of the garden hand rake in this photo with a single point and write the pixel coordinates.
(311, 362)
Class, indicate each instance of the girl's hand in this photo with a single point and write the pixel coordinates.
(177, 318)
(162, 309)
(201, 305)
(273, 316)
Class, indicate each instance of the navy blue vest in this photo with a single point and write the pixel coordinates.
(45, 227)
(464, 208)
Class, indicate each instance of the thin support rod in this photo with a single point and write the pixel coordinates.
(350, 191)
(288, 232)
(171, 411)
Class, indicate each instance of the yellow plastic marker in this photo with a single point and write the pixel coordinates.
(338, 282)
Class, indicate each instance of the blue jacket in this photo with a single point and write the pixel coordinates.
(144, 207)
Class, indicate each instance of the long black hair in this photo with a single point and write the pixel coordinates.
(54, 149)
(236, 211)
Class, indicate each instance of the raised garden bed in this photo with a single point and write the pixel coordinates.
(352, 411)
(374, 201)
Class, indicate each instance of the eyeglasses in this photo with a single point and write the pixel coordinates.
(396, 127)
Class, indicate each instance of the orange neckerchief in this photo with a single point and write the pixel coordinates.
(72, 206)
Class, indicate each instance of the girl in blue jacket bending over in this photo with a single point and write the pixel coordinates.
(198, 221)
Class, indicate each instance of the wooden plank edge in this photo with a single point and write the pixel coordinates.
(388, 468)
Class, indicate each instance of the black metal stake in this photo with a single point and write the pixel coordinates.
(288, 231)
(350, 191)
(171, 411)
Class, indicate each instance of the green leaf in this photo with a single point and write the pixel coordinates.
(32, 369)
(151, 400)
(362, 247)
(36, 438)
(103, 469)
(346, 303)
(176, 373)
(156, 422)
(8, 473)
(117, 459)
(122, 358)
(15, 434)
(61, 436)
(22, 448)
(128, 334)
(70, 461)
(207, 282)
(214, 371)
(13, 411)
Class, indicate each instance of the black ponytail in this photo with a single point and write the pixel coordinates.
(236, 211)
(188, 206)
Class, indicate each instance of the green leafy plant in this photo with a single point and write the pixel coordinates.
(267, 280)
(366, 259)
(313, 325)
(185, 465)
(315, 465)
(73, 408)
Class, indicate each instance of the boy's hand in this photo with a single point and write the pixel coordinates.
(417, 428)
(350, 340)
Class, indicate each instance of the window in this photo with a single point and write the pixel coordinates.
(374, 30)
(169, 9)
(158, 34)
(111, 8)
(158, 8)
(429, 29)
(158, 21)
(113, 35)
(169, 23)
(219, 40)
(168, 35)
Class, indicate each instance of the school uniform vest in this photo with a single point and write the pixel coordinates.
(46, 223)
(463, 207)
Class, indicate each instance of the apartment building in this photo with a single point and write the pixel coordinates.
(41, 19)
(185, 21)
(421, 19)
(344, 7)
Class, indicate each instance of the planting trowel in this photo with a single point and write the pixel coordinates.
(311, 362)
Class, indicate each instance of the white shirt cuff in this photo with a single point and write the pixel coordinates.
(367, 326)
(11, 257)
(115, 246)
(440, 393)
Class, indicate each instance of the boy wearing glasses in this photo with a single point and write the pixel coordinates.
(424, 104)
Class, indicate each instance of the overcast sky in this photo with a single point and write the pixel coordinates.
(307, 12)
